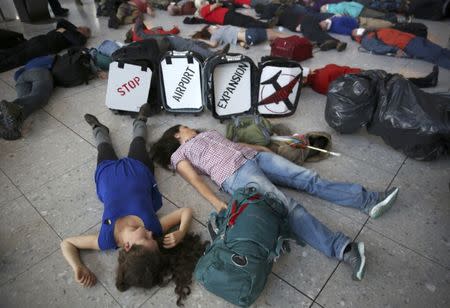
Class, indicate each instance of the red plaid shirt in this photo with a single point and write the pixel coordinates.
(212, 154)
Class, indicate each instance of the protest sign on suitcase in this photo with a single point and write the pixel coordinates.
(128, 86)
(181, 82)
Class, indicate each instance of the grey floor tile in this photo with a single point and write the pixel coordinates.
(395, 277)
(45, 159)
(25, 238)
(308, 269)
(50, 284)
(70, 110)
(35, 128)
(419, 221)
(9, 191)
(69, 203)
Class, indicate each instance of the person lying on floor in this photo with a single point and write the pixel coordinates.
(151, 251)
(297, 19)
(183, 7)
(128, 11)
(64, 36)
(141, 26)
(219, 15)
(233, 165)
(355, 9)
(402, 44)
(320, 79)
(215, 35)
(346, 24)
(34, 86)
(174, 42)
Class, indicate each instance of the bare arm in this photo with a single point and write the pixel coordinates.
(183, 217)
(185, 169)
(71, 251)
(255, 147)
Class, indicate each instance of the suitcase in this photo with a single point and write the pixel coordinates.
(293, 47)
(234, 85)
(181, 82)
(128, 86)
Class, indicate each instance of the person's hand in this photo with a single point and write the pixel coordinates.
(84, 276)
(172, 239)
(400, 53)
(102, 75)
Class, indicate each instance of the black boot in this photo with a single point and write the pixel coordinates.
(428, 81)
(10, 120)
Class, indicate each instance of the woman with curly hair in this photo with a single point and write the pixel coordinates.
(234, 165)
(151, 250)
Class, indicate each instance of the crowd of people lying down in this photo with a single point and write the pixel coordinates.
(154, 249)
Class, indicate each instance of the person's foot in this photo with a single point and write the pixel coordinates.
(328, 45)
(223, 51)
(113, 22)
(144, 112)
(385, 201)
(93, 121)
(341, 46)
(357, 260)
(10, 120)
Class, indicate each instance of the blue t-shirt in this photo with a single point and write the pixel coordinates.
(126, 187)
(39, 62)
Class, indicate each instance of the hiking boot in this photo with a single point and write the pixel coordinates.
(434, 76)
(341, 46)
(144, 112)
(385, 201)
(113, 22)
(357, 260)
(223, 51)
(328, 45)
(10, 120)
(94, 122)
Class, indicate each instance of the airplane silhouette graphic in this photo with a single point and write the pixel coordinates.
(281, 93)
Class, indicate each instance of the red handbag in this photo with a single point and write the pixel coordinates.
(292, 47)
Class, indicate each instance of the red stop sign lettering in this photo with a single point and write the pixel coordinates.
(128, 86)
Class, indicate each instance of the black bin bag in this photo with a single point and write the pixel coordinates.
(411, 120)
(351, 101)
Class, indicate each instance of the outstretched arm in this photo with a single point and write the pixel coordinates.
(185, 169)
(182, 217)
(71, 251)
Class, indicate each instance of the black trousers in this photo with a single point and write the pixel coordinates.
(243, 21)
(19, 55)
(312, 31)
(137, 151)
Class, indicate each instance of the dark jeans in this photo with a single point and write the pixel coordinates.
(137, 151)
(312, 31)
(243, 21)
(421, 48)
(56, 6)
(368, 12)
(34, 88)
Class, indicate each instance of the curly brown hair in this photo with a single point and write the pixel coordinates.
(143, 268)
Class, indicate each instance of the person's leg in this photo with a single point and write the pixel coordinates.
(304, 226)
(312, 31)
(283, 172)
(239, 20)
(374, 23)
(102, 139)
(57, 9)
(367, 12)
(428, 81)
(138, 149)
(424, 49)
(34, 88)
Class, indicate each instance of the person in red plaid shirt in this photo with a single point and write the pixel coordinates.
(234, 165)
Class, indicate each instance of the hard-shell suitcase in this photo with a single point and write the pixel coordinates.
(292, 47)
(234, 85)
(181, 82)
(228, 85)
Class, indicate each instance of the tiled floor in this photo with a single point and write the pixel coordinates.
(47, 193)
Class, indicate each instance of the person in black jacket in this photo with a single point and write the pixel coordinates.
(64, 36)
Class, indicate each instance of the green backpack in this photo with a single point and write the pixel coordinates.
(250, 235)
(253, 129)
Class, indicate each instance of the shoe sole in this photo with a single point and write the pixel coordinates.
(383, 206)
(359, 275)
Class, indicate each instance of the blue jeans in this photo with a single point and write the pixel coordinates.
(268, 170)
(421, 48)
